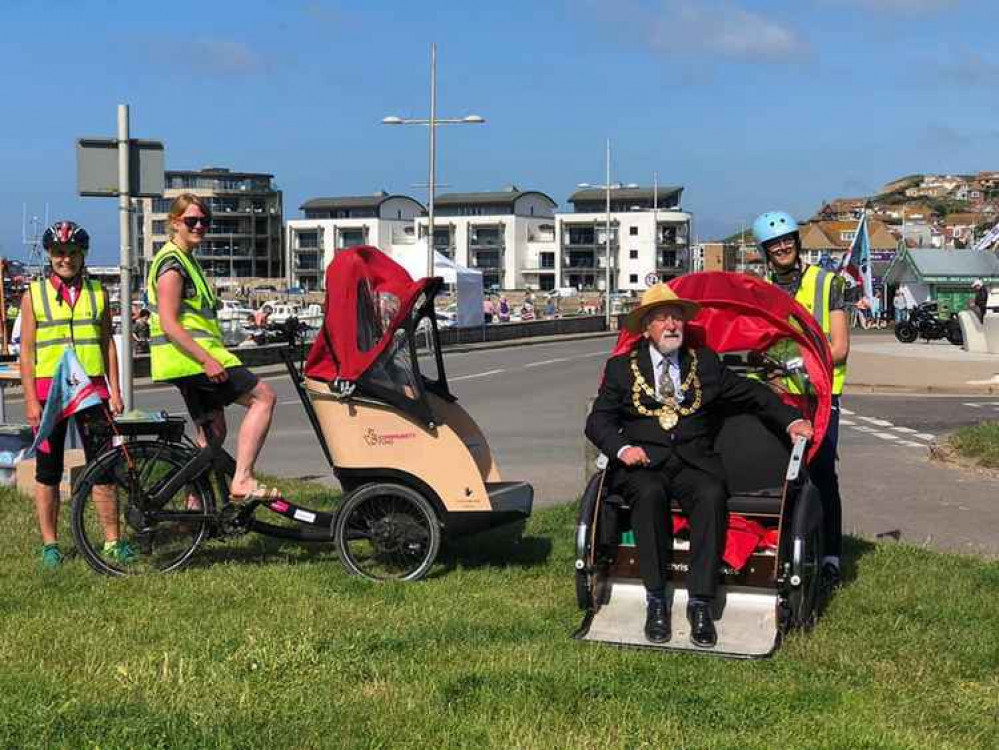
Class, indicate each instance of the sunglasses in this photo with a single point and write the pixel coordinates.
(192, 221)
(64, 251)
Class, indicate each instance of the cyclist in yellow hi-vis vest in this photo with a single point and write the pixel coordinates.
(186, 348)
(65, 308)
(821, 293)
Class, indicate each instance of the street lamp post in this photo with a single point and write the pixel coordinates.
(432, 123)
(607, 187)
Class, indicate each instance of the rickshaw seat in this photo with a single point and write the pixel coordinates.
(510, 496)
(761, 503)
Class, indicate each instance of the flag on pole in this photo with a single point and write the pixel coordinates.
(856, 264)
(72, 391)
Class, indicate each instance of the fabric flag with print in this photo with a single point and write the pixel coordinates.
(72, 391)
(856, 265)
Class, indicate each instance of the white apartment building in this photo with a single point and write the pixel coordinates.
(508, 235)
(330, 224)
(649, 233)
(244, 239)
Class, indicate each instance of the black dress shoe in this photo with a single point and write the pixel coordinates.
(657, 622)
(702, 626)
(831, 577)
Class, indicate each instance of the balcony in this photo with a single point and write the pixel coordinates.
(579, 260)
(485, 238)
(671, 260)
(488, 259)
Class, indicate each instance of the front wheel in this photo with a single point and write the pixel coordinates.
(117, 528)
(387, 532)
(905, 332)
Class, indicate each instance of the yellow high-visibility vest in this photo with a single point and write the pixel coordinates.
(814, 294)
(196, 315)
(58, 325)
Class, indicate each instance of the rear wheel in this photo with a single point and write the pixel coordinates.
(905, 332)
(954, 334)
(387, 532)
(112, 501)
(806, 578)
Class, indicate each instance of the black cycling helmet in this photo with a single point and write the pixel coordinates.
(64, 233)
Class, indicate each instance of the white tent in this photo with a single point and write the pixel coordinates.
(466, 281)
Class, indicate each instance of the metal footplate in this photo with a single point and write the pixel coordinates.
(745, 618)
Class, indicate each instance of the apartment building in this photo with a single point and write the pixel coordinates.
(508, 235)
(649, 238)
(247, 220)
(330, 224)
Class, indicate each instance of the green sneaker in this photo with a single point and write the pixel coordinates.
(120, 551)
(51, 556)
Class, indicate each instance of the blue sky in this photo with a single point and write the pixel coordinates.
(749, 105)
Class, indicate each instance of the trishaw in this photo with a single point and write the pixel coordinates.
(413, 465)
(774, 545)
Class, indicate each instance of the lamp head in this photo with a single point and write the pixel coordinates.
(393, 120)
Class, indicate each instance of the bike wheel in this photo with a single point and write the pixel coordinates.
(387, 532)
(112, 498)
(905, 332)
(806, 597)
(954, 334)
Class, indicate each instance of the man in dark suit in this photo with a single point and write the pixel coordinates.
(658, 413)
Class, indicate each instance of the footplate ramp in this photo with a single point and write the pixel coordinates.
(745, 619)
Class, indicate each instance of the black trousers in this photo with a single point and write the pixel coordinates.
(823, 473)
(704, 500)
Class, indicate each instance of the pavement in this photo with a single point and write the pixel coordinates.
(879, 363)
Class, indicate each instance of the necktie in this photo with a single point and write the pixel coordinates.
(666, 389)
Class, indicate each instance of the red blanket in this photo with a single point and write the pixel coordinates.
(742, 538)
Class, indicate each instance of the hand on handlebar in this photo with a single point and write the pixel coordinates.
(800, 428)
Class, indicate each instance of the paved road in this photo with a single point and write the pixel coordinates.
(531, 402)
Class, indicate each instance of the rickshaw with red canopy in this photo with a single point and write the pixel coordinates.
(413, 464)
(774, 543)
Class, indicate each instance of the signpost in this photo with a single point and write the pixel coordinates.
(126, 168)
(651, 279)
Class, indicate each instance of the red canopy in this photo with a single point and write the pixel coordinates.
(744, 313)
(368, 296)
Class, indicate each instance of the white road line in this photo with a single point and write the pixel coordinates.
(847, 422)
(878, 422)
(911, 444)
(485, 374)
(906, 430)
(885, 436)
(973, 406)
(547, 362)
(864, 428)
(845, 411)
(924, 436)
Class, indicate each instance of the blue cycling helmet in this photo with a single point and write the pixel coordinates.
(773, 224)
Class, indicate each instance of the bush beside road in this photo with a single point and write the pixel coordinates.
(269, 644)
(980, 443)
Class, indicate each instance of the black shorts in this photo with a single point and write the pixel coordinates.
(48, 466)
(204, 398)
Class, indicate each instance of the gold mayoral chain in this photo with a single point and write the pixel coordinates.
(670, 412)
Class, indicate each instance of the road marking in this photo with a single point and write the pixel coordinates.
(845, 411)
(485, 374)
(864, 428)
(906, 430)
(878, 422)
(973, 406)
(885, 436)
(847, 422)
(547, 362)
(924, 436)
(911, 444)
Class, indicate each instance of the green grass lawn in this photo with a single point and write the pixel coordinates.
(979, 442)
(270, 645)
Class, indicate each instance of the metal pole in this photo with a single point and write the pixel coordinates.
(655, 221)
(433, 158)
(125, 227)
(607, 270)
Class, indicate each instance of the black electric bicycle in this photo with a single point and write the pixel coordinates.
(166, 496)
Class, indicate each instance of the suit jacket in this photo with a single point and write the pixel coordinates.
(614, 422)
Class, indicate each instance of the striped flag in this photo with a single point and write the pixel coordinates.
(72, 391)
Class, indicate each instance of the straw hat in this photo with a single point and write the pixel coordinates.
(657, 296)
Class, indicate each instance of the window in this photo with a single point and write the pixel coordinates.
(633, 278)
(633, 254)
(848, 236)
(633, 231)
(159, 227)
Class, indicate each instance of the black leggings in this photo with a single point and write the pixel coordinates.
(49, 466)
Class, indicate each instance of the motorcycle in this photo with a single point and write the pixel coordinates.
(924, 322)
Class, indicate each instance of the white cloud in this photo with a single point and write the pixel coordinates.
(713, 27)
